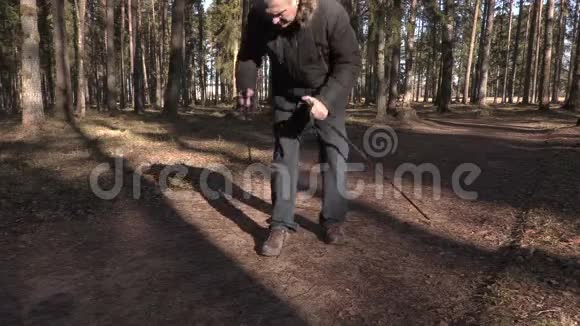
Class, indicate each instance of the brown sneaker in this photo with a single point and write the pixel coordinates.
(273, 245)
(334, 234)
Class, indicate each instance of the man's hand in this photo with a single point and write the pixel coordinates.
(318, 109)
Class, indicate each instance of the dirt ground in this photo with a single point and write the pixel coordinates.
(156, 255)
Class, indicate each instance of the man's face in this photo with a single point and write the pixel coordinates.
(282, 12)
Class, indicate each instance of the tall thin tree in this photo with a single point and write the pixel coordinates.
(397, 15)
(573, 101)
(507, 54)
(123, 94)
(201, 50)
(138, 74)
(154, 55)
(112, 93)
(79, 17)
(175, 60)
(512, 78)
(544, 94)
(379, 18)
(32, 105)
(444, 92)
(63, 93)
(131, 27)
(563, 12)
(537, 58)
(486, 53)
(470, 53)
(406, 109)
(531, 41)
(573, 51)
(477, 72)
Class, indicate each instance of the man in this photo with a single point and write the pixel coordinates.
(315, 61)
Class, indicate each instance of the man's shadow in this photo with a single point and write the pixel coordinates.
(218, 190)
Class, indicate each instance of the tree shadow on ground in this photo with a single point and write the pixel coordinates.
(165, 269)
(218, 189)
(135, 262)
(538, 267)
(501, 163)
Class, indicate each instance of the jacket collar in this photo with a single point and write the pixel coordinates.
(306, 9)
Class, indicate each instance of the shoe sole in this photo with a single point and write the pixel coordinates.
(266, 254)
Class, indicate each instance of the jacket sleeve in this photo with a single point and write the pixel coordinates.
(251, 51)
(344, 62)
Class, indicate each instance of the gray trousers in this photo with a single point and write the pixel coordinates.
(289, 127)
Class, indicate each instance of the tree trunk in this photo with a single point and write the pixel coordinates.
(395, 31)
(559, 51)
(409, 60)
(470, 54)
(143, 35)
(507, 55)
(123, 95)
(530, 55)
(146, 89)
(573, 51)
(175, 59)
(511, 82)
(370, 60)
(477, 73)
(130, 11)
(216, 81)
(482, 93)
(201, 49)
(434, 77)
(573, 102)
(525, 51)
(496, 88)
(537, 56)
(190, 57)
(138, 77)
(110, 55)
(544, 94)
(380, 66)
(46, 52)
(394, 73)
(32, 104)
(162, 51)
(429, 62)
(444, 93)
(155, 55)
(63, 93)
(80, 9)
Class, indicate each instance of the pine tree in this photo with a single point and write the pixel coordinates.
(176, 59)
(63, 93)
(531, 41)
(470, 54)
(110, 55)
(32, 105)
(482, 93)
(544, 88)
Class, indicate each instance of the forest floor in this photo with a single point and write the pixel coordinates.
(154, 254)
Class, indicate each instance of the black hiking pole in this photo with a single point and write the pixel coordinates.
(365, 157)
(246, 116)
